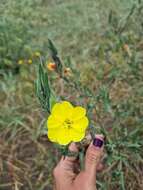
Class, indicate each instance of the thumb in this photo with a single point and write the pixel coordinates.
(69, 160)
(93, 156)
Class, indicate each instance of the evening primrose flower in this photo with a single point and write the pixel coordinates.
(67, 123)
(51, 66)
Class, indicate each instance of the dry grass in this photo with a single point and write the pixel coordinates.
(103, 64)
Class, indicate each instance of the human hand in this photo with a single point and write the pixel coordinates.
(64, 173)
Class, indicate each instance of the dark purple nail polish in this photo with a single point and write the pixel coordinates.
(98, 142)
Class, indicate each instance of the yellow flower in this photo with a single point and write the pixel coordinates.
(29, 61)
(51, 66)
(37, 54)
(67, 123)
(20, 62)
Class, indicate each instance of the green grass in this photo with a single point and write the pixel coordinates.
(93, 34)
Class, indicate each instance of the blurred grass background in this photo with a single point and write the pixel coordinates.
(104, 40)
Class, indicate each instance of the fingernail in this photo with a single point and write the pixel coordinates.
(98, 142)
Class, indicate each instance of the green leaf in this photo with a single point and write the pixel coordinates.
(52, 47)
(81, 159)
(42, 88)
(122, 181)
(54, 55)
(53, 100)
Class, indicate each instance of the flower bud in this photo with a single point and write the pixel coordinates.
(20, 62)
(67, 71)
(51, 66)
(37, 54)
(29, 61)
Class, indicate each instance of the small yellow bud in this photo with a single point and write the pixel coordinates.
(37, 54)
(20, 62)
(29, 61)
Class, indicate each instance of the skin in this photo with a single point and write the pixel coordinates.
(67, 179)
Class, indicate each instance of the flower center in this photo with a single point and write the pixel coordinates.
(68, 123)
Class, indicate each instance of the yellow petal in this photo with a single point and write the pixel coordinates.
(52, 135)
(78, 113)
(62, 110)
(58, 128)
(53, 122)
(81, 125)
(63, 137)
(76, 136)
